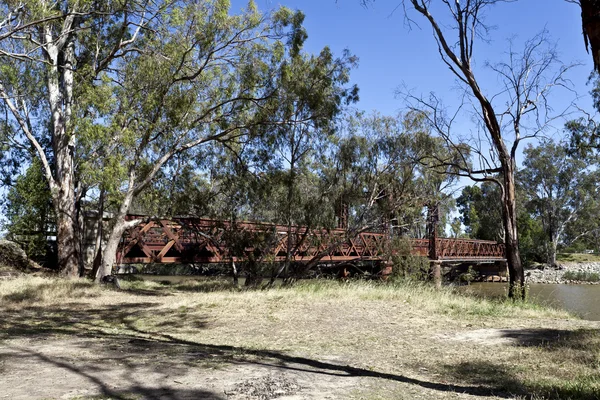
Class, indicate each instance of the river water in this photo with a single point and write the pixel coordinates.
(583, 300)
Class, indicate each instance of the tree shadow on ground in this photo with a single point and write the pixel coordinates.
(134, 389)
(578, 348)
(97, 327)
(70, 319)
(116, 329)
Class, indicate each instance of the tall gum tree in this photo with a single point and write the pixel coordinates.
(312, 93)
(106, 93)
(518, 111)
(561, 189)
(201, 76)
(49, 50)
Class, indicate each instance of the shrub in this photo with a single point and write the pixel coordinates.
(405, 264)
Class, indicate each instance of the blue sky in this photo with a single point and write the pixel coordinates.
(392, 55)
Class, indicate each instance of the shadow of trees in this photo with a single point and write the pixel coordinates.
(135, 389)
(119, 331)
(575, 349)
(191, 284)
(94, 322)
(167, 351)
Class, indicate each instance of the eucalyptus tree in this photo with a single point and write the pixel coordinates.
(106, 93)
(504, 118)
(561, 190)
(584, 132)
(480, 211)
(312, 92)
(202, 76)
(51, 55)
(376, 171)
(29, 213)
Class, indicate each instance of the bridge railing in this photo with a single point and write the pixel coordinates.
(214, 241)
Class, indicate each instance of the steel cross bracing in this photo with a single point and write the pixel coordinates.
(199, 240)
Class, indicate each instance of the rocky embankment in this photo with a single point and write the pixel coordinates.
(564, 273)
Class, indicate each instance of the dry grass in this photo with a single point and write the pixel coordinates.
(402, 340)
(577, 257)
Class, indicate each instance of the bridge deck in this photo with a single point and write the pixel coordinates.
(199, 240)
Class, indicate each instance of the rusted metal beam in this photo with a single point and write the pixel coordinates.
(199, 240)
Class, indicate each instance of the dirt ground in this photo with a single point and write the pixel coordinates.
(289, 345)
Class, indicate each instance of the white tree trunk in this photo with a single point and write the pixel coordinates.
(60, 88)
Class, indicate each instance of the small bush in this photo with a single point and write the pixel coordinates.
(405, 264)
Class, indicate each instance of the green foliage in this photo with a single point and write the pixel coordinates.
(148, 90)
(481, 214)
(377, 173)
(585, 132)
(405, 265)
(469, 276)
(29, 212)
(561, 194)
(532, 239)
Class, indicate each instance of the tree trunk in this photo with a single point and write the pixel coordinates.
(99, 236)
(552, 255)
(253, 273)
(119, 225)
(433, 215)
(436, 271)
(60, 90)
(290, 196)
(590, 16)
(110, 250)
(511, 238)
(235, 273)
(66, 238)
(80, 234)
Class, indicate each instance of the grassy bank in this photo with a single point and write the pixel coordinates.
(362, 340)
(577, 257)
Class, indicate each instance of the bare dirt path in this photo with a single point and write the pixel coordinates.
(138, 369)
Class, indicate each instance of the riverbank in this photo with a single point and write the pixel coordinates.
(318, 340)
(565, 273)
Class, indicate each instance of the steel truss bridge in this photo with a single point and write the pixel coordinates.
(199, 240)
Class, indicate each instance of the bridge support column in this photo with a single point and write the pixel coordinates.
(386, 270)
(436, 270)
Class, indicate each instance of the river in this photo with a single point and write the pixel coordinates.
(583, 300)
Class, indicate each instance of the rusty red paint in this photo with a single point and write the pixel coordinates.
(201, 240)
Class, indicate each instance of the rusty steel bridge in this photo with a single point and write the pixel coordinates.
(200, 240)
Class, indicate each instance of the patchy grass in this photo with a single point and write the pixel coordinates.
(577, 257)
(581, 276)
(356, 339)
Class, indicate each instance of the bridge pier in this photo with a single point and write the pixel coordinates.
(436, 270)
